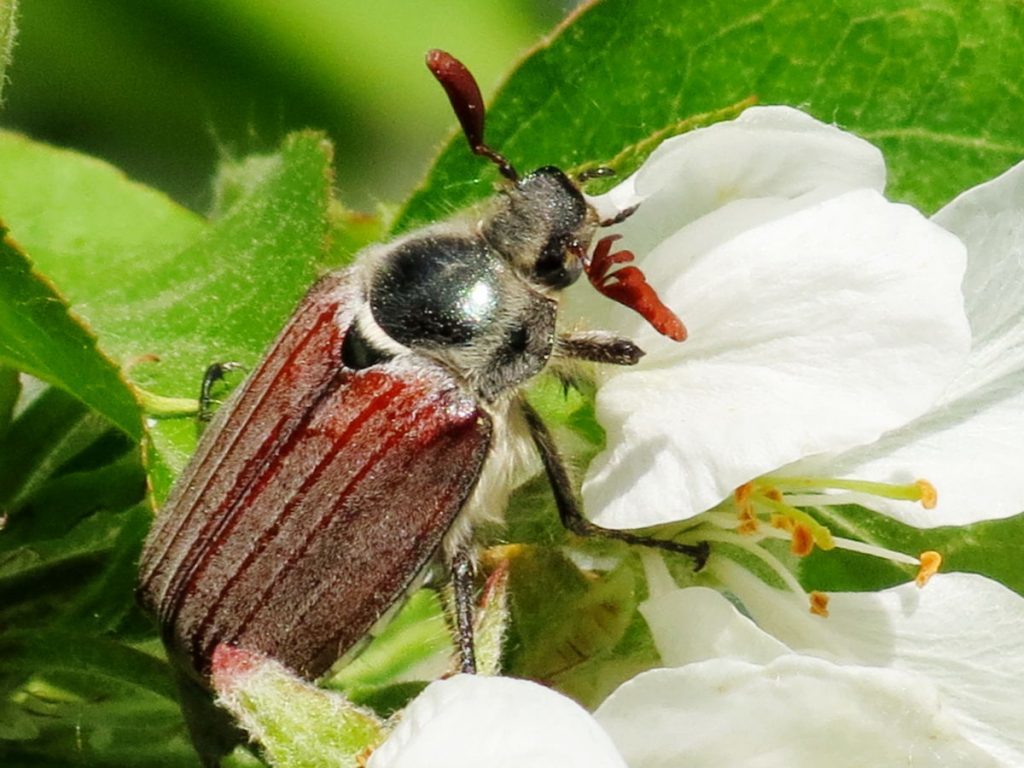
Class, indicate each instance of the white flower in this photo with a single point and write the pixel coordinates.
(844, 380)
(971, 442)
(470, 721)
(923, 678)
(820, 315)
(901, 677)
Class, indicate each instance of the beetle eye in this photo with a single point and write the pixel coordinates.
(556, 266)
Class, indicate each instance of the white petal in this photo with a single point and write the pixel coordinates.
(697, 623)
(815, 331)
(774, 152)
(972, 446)
(794, 712)
(990, 220)
(768, 153)
(471, 721)
(963, 632)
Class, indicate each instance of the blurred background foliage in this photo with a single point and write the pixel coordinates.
(164, 89)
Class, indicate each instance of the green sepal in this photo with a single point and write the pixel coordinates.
(295, 723)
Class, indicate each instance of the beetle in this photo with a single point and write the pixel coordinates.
(383, 424)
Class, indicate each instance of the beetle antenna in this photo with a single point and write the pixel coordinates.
(464, 95)
(601, 172)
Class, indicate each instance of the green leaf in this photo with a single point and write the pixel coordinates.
(85, 700)
(991, 548)
(85, 661)
(352, 230)
(417, 632)
(48, 582)
(10, 390)
(52, 430)
(54, 508)
(87, 226)
(68, 554)
(932, 82)
(152, 279)
(8, 30)
(39, 335)
(80, 718)
(564, 618)
(72, 530)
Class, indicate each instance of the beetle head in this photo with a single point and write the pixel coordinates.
(543, 226)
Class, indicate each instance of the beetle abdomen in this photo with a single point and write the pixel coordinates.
(305, 514)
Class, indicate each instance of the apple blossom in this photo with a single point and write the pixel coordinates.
(900, 677)
(468, 721)
(903, 676)
(828, 344)
(971, 442)
(820, 315)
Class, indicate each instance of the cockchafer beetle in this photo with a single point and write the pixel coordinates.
(383, 422)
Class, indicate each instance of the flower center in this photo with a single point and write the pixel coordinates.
(772, 508)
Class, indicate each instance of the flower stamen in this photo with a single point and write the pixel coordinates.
(920, 490)
(929, 496)
(803, 541)
(819, 604)
(778, 502)
(930, 563)
(852, 545)
(772, 500)
(776, 566)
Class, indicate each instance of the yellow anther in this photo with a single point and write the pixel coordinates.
(819, 604)
(803, 540)
(929, 496)
(930, 563)
(821, 535)
(742, 496)
(745, 509)
(783, 503)
(748, 524)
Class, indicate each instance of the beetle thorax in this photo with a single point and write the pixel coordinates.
(450, 296)
(480, 295)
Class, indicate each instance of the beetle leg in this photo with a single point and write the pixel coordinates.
(569, 509)
(214, 373)
(598, 347)
(600, 172)
(618, 218)
(462, 584)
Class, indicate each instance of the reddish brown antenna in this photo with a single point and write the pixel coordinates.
(464, 95)
(629, 287)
